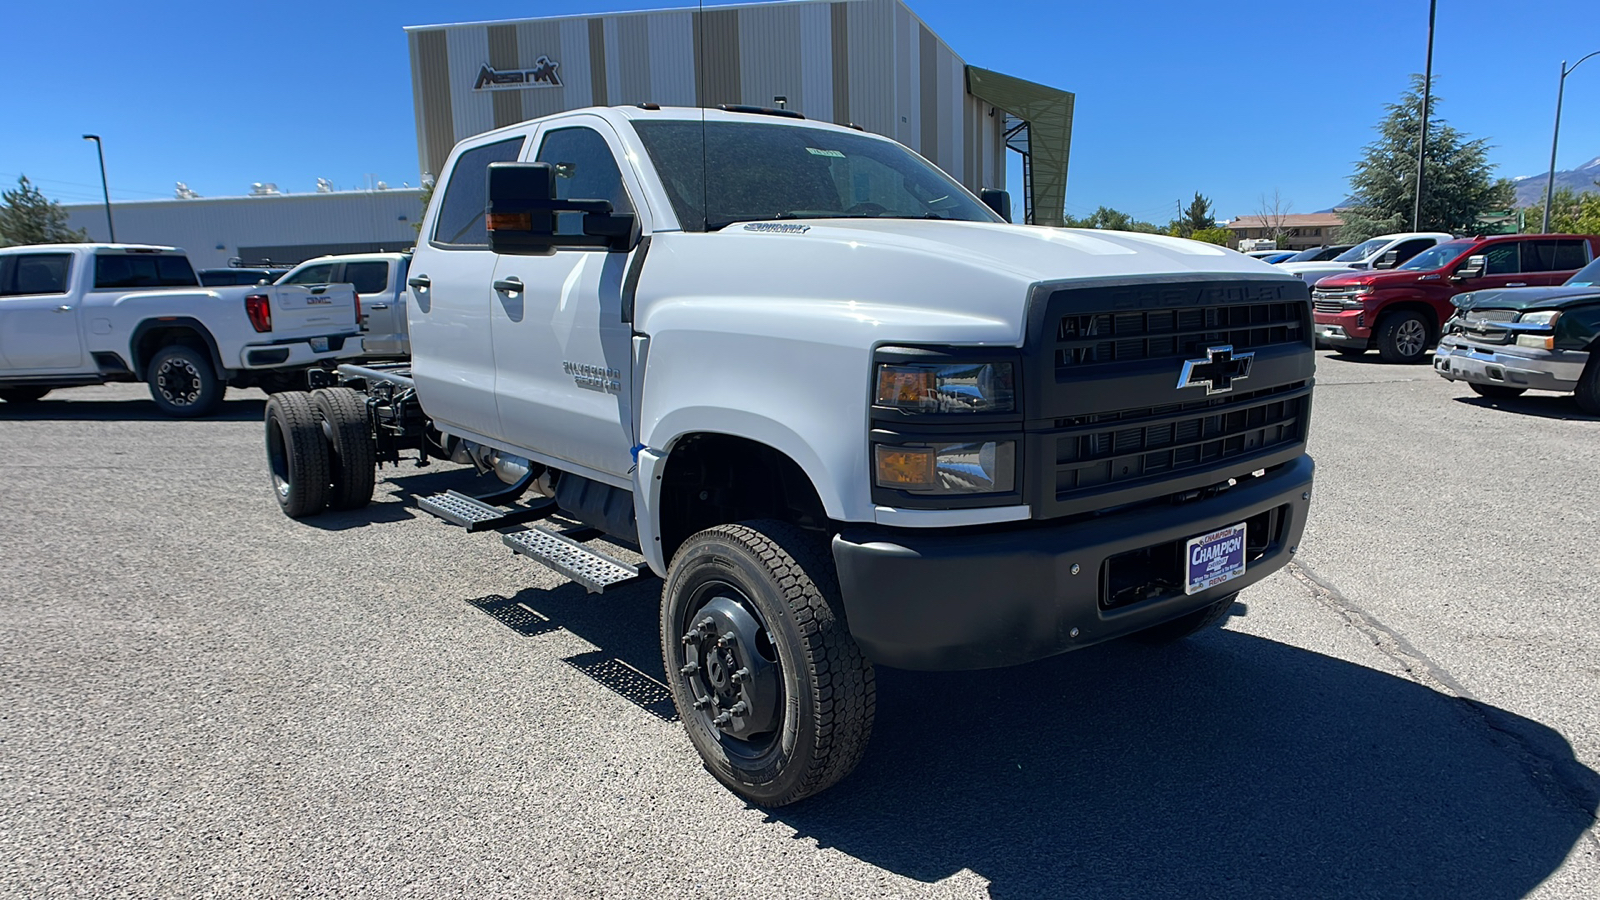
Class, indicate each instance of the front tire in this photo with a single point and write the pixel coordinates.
(1403, 337)
(1187, 624)
(183, 384)
(353, 465)
(774, 692)
(1587, 393)
(21, 395)
(297, 455)
(1495, 391)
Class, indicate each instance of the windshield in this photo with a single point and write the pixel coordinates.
(1436, 256)
(1588, 276)
(1311, 255)
(759, 171)
(1362, 250)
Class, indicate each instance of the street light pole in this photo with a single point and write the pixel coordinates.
(1422, 127)
(1550, 179)
(104, 185)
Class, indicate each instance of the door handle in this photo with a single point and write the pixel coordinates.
(512, 285)
(63, 309)
(1516, 284)
(378, 306)
(420, 282)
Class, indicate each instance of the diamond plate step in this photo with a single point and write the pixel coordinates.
(595, 571)
(475, 515)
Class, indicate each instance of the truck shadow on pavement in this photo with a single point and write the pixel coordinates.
(1544, 406)
(1229, 765)
(65, 409)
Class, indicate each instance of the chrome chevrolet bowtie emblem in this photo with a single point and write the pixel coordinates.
(1218, 371)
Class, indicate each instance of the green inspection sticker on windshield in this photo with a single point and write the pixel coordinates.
(815, 152)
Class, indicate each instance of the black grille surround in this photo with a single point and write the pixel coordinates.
(1105, 423)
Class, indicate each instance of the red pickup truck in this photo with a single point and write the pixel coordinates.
(1399, 311)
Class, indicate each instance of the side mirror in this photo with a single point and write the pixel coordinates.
(1388, 260)
(997, 200)
(522, 208)
(1472, 269)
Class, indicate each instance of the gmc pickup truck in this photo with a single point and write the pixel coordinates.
(77, 314)
(847, 412)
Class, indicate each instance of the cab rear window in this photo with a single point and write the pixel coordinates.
(152, 271)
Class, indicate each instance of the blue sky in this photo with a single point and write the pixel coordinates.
(1231, 99)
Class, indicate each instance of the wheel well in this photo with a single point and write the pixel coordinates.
(714, 479)
(153, 336)
(1429, 315)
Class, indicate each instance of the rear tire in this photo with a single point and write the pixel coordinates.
(21, 395)
(183, 384)
(1185, 625)
(1495, 391)
(353, 465)
(774, 692)
(297, 455)
(1587, 392)
(1403, 337)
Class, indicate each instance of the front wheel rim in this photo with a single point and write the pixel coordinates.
(1410, 337)
(730, 669)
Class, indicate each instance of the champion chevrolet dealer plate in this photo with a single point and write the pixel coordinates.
(1214, 558)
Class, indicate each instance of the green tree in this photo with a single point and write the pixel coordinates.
(1107, 219)
(28, 217)
(1457, 188)
(427, 197)
(1198, 217)
(1570, 212)
(1222, 237)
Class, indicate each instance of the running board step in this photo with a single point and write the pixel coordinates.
(475, 515)
(595, 571)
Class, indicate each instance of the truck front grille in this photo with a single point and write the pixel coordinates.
(1329, 306)
(1128, 445)
(1089, 338)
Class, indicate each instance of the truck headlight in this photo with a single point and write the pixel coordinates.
(970, 467)
(947, 387)
(1541, 319)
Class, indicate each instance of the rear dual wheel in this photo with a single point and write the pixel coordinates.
(774, 692)
(320, 451)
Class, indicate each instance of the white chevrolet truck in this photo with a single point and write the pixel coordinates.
(846, 412)
(79, 314)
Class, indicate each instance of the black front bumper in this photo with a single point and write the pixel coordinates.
(933, 600)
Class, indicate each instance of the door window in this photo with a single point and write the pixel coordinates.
(321, 273)
(1408, 249)
(1553, 256)
(1502, 259)
(466, 196)
(368, 277)
(585, 170)
(124, 271)
(37, 273)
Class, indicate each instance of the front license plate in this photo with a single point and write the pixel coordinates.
(319, 345)
(1214, 558)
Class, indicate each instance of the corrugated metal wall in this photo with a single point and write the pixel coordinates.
(214, 229)
(868, 62)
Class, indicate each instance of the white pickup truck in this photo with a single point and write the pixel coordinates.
(379, 280)
(77, 314)
(846, 411)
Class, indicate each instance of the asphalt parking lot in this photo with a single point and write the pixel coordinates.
(200, 697)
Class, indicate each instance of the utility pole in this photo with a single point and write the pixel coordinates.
(1422, 127)
(104, 186)
(1550, 180)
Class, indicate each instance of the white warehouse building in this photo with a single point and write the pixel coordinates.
(267, 228)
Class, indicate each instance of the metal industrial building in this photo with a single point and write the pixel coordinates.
(871, 63)
(266, 226)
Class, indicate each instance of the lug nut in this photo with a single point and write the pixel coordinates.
(690, 638)
(727, 638)
(723, 719)
(706, 624)
(690, 669)
(739, 709)
(702, 702)
(739, 675)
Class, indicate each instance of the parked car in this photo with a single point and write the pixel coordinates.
(1277, 257)
(1368, 255)
(382, 295)
(1505, 341)
(1317, 254)
(77, 314)
(1264, 254)
(1400, 312)
(232, 276)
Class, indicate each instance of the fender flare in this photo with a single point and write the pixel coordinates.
(189, 322)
